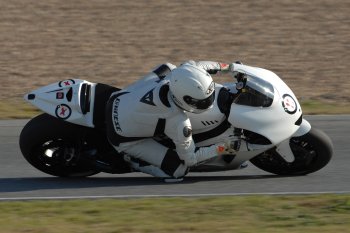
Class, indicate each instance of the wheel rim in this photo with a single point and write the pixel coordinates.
(303, 151)
(57, 153)
(62, 158)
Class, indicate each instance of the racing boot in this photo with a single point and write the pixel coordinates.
(147, 168)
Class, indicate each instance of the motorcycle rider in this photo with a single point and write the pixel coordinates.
(155, 108)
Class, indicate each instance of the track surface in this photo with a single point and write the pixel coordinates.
(18, 180)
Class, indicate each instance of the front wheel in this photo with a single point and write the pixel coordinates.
(312, 152)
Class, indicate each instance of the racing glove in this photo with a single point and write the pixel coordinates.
(230, 68)
(230, 146)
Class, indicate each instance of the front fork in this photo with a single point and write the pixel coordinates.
(284, 149)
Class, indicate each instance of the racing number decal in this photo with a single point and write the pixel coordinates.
(289, 104)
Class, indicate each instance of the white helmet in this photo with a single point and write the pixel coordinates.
(192, 88)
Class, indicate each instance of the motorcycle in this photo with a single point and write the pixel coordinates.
(259, 109)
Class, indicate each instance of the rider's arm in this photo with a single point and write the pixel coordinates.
(178, 128)
(210, 66)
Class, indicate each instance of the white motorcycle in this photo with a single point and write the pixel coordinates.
(260, 110)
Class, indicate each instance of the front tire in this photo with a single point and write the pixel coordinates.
(312, 152)
(53, 146)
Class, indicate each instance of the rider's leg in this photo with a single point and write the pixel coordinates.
(160, 160)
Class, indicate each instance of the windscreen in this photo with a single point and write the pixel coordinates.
(256, 93)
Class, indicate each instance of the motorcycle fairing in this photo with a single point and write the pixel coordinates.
(71, 100)
(274, 122)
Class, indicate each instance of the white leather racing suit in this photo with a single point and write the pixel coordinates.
(142, 113)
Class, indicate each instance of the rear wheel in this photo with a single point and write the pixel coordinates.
(55, 147)
(312, 152)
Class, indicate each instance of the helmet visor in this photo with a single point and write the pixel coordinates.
(200, 104)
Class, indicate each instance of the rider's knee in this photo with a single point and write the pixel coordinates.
(173, 165)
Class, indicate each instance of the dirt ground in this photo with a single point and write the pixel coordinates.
(117, 41)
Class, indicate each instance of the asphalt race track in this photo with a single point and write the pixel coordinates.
(18, 180)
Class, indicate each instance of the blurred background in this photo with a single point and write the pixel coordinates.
(116, 42)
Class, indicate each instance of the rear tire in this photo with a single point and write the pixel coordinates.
(312, 152)
(53, 146)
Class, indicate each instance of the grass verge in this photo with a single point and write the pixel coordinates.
(315, 107)
(316, 213)
(17, 110)
(21, 109)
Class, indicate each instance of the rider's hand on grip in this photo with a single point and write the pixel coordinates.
(230, 146)
(233, 67)
(229, 68)
(234, 70)
(226, 68)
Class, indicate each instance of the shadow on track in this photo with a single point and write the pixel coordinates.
(52, 183)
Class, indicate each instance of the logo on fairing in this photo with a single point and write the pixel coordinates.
(59, 95)
(289, 104)
(63, 111)
(65, 83)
